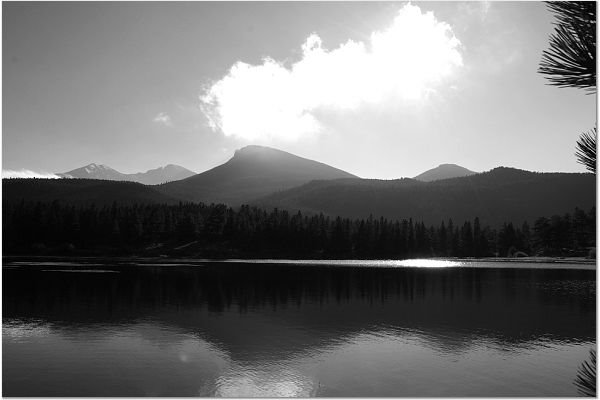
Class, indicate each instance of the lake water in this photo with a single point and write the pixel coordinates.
(369, 329)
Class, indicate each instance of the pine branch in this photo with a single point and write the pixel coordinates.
(586, 150)
(570, 60)
(586, 376)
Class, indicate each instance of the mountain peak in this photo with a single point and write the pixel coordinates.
(98, 166)
(444, 171)
(255, 156)
(448, 165)
(256, 151)
(255, 148)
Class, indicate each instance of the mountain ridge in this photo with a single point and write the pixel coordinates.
(500, 195)
(270, 178)
(169, 172)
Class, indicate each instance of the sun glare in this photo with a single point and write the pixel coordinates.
(404, 62)
(420, 263)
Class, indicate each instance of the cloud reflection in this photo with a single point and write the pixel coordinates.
(245, 381)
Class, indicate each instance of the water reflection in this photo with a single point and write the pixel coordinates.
(288, 330)
(416, 263)
(428, 263)
(586, 376)
(275, 381)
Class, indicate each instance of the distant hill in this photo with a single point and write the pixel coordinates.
(81, 191)
(164, 174)
(253, 172)
(444, 171)
(502, 194)
(156, 176)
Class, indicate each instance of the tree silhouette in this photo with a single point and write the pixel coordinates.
(586, 150)
(571, 61)
(586, 376)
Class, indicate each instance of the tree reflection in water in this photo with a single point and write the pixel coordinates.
(586, 376)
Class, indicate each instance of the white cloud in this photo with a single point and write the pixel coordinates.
(163, 118)
(403, 63)
(25, 173)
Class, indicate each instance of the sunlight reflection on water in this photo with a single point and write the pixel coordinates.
(415, 263)
(428, 263)
(23, 329)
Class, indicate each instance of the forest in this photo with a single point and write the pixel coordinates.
(218, 231)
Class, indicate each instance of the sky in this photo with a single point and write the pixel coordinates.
(379, 89)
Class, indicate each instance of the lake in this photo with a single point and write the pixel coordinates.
(360, 328)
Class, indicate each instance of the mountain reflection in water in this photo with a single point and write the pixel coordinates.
(237, 329)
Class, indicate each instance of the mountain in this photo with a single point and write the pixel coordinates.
(151, 177)
(81, 191)
(253, 172)
(160, 175)
(502, 194)
(95, 171)
(444, 171)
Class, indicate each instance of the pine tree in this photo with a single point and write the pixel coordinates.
(571, 60)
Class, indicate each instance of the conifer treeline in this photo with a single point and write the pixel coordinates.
(249, 231)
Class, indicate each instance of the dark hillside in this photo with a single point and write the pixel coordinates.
(502, 194)
(81, 191)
